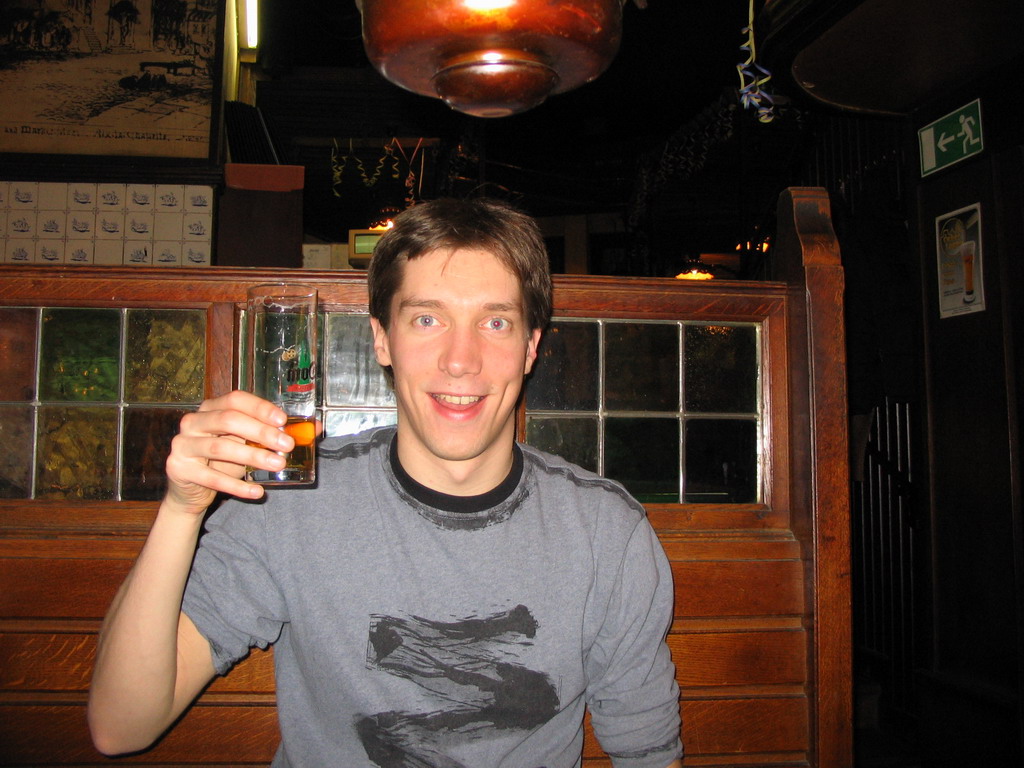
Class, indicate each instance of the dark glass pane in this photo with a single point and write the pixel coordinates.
(574, 439)
(16, 457)
(76, 453)
(565, 375)
(354, 377)
(165, 356)
(643, 455)
(721, 461)
(337, 423)
(18, 353)
(721, 369)
(80, 353)
(641, 367)
(147, 441)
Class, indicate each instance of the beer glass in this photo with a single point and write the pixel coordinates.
(967, 254)
(281, 323)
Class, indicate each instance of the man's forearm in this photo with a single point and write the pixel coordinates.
(136, 690)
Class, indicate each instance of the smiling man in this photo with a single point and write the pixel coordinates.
(445, 597)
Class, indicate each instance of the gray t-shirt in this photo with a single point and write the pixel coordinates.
(410, 636)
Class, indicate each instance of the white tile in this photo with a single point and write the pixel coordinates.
(21, 223)
(110, 197)
(110, 225)
(138, 225)
(108, 252)
(198, 198)
(141, 197)
(20, 252)
(81, 197)
(167, 253)
(52, 195)
(49, 252)
(78, 252)
(196, 255)
(50, 224)
(170, 197)
(198, 227)
(24, 195)
(168, 226)
(138, 254)
(81, 225)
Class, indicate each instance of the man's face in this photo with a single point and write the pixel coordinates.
(459, 349)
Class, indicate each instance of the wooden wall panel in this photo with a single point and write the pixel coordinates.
(739, 658)
(47, 588)
(243, 734)
(738, 588)
(62, 661)
(236, 735)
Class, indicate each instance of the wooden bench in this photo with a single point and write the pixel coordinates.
(761, 636)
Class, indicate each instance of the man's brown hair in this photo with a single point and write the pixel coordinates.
(451, 224)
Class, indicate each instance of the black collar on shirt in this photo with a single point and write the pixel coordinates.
(447, 502)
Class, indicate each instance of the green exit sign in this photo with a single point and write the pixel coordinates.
(951, 138)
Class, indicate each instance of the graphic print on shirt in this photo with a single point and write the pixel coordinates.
(469, 667)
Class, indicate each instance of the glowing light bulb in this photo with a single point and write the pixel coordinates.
(487, 5)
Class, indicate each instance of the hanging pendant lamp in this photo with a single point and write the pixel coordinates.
(491, 58)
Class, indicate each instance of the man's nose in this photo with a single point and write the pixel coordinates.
(462, 355)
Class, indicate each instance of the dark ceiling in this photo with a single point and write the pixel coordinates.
(658, 140)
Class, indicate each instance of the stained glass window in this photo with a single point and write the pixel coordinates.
(71, 421)
(669, 409)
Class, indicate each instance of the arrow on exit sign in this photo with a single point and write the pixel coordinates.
(951, 138)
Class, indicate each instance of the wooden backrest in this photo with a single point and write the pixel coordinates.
(761, 633)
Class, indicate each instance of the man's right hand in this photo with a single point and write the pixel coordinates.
(210, 452)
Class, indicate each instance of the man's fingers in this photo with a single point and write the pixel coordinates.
(248, 403)
(232, 425)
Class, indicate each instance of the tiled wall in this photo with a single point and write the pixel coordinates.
(87, 223)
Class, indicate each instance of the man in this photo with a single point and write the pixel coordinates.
(444, 597)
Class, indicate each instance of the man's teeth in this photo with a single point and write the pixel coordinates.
(458, 399)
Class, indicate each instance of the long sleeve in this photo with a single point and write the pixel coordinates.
(633, 695)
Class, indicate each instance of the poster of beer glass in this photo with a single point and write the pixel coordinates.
(133, 78)
(960, 263)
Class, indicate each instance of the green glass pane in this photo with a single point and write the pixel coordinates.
(353, 375)
(337, 423)
(76, 453)
(147, 441)
(16, 457)
(565, 375)
(721, 368)
(574, 439)
(165, 356)
(18, 353)
(643, 455)
(80, 354)
(721, 461)
(641, 370)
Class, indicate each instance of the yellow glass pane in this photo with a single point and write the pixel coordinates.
(165, 356)
(76, 452)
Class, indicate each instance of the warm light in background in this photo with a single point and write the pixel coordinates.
(695, 274)
(252, 19)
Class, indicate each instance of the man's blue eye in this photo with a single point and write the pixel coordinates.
(498, 324)
(425, 320)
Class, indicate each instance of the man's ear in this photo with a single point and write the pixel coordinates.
(531, 349)
(380, 342)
